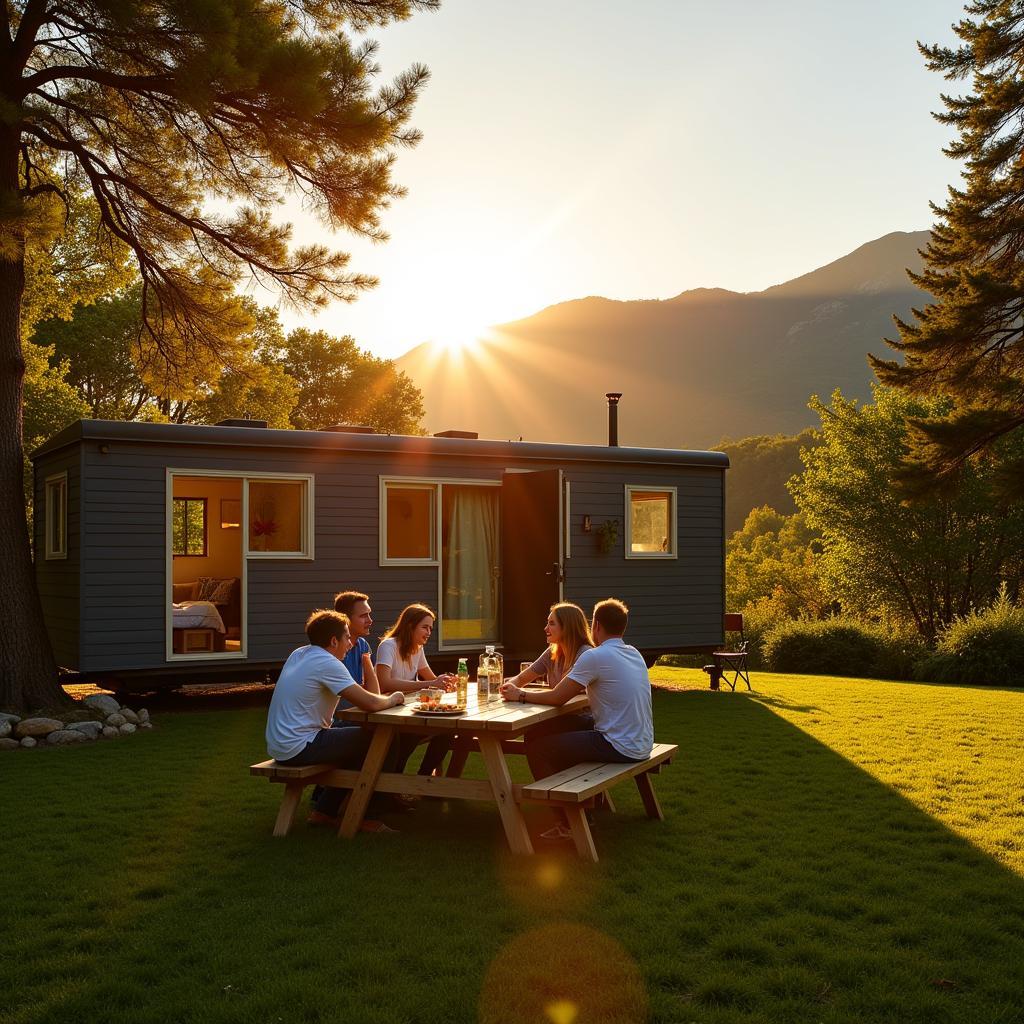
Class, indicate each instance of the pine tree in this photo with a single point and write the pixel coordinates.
(187, 122)
(969, 343)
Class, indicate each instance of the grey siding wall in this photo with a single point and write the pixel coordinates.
(673, 602)
(124, 585)
(58, 579)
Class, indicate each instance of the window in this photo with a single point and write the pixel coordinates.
(650, 522)
(57, 516)
(410, 518)
(279, 512)
(189, 527)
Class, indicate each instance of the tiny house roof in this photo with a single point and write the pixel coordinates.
(326, 440)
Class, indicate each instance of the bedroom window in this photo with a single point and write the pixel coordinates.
(57, 516)
(279, 518)
(650, 522)
(189, 524)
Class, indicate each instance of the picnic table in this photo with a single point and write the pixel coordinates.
(489, 726)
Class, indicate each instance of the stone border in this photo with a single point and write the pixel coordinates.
(112, 721)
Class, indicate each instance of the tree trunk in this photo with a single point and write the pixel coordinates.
(28, 672)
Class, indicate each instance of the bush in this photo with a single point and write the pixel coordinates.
(841, 647)
(983, 648)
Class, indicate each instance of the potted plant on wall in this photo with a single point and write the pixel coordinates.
(608, 536)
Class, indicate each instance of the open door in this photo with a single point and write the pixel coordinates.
(531, 558)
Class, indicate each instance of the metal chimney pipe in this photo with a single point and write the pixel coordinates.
(613, 418)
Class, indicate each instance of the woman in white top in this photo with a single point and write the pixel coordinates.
(568, 636)
(401, 663)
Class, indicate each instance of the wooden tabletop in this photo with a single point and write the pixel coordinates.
(495, 716)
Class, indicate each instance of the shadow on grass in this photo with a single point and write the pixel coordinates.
(786, 884)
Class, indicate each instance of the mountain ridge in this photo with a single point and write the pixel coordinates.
(700, 366)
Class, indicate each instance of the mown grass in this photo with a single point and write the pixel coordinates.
(834, 850)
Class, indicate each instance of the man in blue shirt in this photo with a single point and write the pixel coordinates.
(358, 661)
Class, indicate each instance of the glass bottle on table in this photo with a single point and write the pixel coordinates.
(462, 683)
(497, 672)
(483, 675)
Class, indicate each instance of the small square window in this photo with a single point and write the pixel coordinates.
(651, 522)
(189, 527)
(57, 516)
(409, 523)
(278, 513)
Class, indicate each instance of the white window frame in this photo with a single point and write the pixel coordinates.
(306, 516)
(673, 535)
(436, 483)
(56, 487)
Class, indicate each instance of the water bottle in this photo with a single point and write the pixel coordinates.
(462, 683)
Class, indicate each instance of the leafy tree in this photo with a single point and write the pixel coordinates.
(339, 383)
(758, 470)
(925, 562)
(775, 556)
(156, 105)
(969, 343)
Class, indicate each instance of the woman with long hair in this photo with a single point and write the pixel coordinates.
(402, 666)
(401, 663)
(568, 635)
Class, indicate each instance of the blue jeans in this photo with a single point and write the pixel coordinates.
(344, 746)
(563, 742)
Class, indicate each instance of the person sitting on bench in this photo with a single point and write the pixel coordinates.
(305, 697)
(620, 725)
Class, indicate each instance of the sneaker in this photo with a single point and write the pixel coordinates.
(376, 827)
(320, 820)
(557, 834)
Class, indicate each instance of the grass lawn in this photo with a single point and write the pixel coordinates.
(834, 850)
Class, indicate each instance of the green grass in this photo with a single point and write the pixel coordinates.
(834, 850)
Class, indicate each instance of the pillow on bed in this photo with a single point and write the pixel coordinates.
(217, 591)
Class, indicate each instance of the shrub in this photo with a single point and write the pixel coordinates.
(836, 646)
(983, 648)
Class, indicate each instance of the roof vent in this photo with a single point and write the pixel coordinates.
(241, 423)
(470, 435)
(350, 428)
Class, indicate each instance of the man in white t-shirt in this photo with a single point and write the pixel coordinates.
(307, 692)
(620, 726)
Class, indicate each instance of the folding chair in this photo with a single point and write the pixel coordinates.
(733, 661)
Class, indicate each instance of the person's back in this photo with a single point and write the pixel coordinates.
(303, 703)
(619, 689)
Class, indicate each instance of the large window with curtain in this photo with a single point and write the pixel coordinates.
(452, 525)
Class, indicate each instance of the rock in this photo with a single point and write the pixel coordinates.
(145, 725)
(5, 729)
(103, 703)
(62, 737)
(128, 727)
(9, 744)
(37, 727)
(130, 716)
(116, 720)
(28, 742)
(143, 715)
(110, 732)
(91, 729)
(13, 719)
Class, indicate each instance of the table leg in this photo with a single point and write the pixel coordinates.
(289, 805)
(367, 781)
(501, 785)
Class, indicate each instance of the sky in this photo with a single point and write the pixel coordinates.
(637, 150)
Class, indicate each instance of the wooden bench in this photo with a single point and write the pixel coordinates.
(295, 781)
(583, 785)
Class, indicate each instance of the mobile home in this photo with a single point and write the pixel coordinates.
(167, 553)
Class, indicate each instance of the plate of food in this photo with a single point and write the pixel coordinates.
(437, 708)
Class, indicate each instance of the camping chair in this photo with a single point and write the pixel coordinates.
(733, 661)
